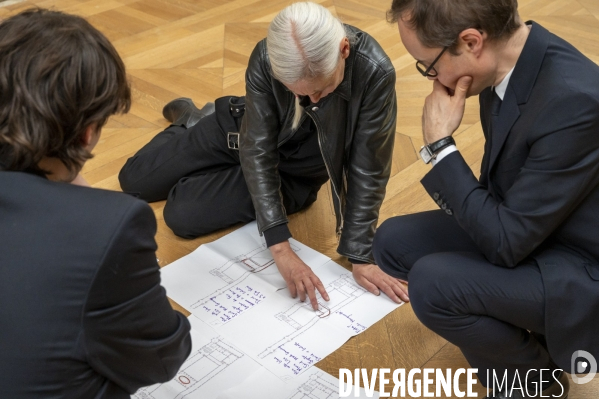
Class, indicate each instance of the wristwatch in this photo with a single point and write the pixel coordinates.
(429, 152)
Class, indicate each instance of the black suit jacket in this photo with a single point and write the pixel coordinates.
(538, 193)
(82, 312)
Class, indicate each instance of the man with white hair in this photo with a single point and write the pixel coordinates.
(320, 104)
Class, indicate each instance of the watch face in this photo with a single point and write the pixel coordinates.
(425, 154)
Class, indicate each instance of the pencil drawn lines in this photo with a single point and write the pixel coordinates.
(316, 388)
(287, 351)
(236, 296)
(202, 366)
(254, 261)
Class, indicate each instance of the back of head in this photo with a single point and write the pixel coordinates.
(303, 43)
(58, 76)
(439, 23)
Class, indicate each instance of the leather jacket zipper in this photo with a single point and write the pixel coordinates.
(335, 190)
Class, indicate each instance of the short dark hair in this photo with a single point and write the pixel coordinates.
(58, 76)
(438, 23)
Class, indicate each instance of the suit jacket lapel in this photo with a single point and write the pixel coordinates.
(519, 87)
(508, 115)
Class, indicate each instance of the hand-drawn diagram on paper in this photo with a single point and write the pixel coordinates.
(216, 369)
(315, 384)
(255, 261)
(227, 277)
(316, 387)
(301, 317)
(286, 335)
(202, 365)
(235, 297)
(209, 369)
(224, 284)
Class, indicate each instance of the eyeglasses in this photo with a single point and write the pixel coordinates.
(429, 71)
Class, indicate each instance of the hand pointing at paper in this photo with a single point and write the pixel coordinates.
(299, 277)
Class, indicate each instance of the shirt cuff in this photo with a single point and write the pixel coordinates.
(277, 234)
(444, 152)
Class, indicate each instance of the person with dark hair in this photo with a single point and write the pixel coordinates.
(82, 311)
(508, 268)
(320, 105)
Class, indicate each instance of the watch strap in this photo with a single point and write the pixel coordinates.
(438, 145)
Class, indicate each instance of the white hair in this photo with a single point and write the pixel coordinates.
(303, 43)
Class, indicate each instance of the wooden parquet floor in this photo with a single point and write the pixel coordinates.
(200, 49)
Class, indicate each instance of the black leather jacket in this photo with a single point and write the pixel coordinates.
(356, 132)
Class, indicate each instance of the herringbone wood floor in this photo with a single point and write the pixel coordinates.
(200, 48)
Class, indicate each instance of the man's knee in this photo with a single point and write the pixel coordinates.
(190, 216)
(385, 240)
(133, 182)
(391, 245)
(178, 217)
(125, 178)
(128, 178)
(431, 285)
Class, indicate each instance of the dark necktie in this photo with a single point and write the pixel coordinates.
(493, 116)
(495, 107)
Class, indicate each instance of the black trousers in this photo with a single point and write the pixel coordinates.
(201, 179)
(484, 309)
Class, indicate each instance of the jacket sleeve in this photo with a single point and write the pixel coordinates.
(369, 167)
(561, 169)
(258, 143)
(131, 334)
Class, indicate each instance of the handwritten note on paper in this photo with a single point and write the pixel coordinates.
(352, 324)
(225, 284)
(295, 357)
(231, 303)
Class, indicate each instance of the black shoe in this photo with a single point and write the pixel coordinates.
(555, 390)
(183, 112)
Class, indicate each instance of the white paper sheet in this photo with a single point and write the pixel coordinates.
(227, 277)
(287, 336)
(314, 384)
(213, 365)
(216, 369)
(233, 286)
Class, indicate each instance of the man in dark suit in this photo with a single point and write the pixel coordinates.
(508, 269)
(82, 312)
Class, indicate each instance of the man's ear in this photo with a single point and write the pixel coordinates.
(344, 47)
(472, 40)
(88, 136)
